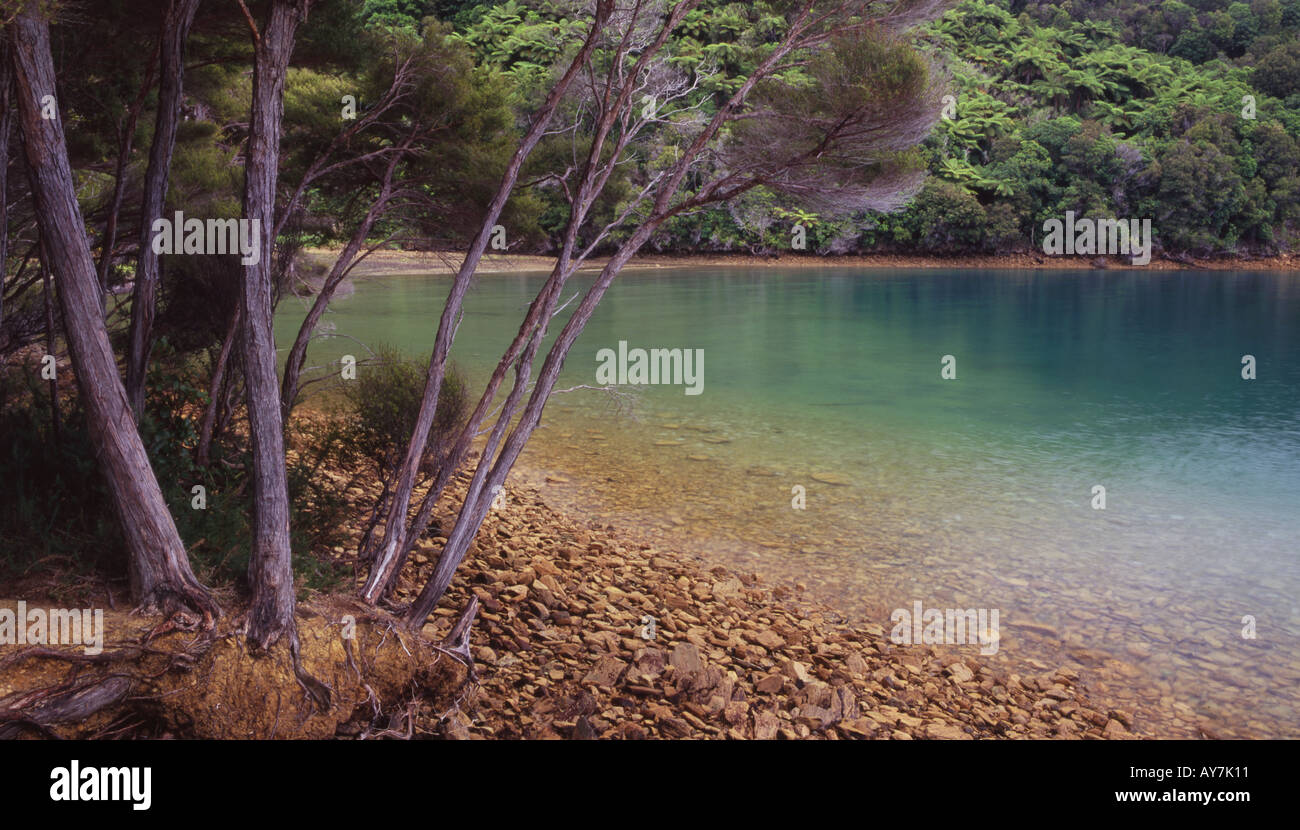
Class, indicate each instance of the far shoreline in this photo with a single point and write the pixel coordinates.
(396, 263)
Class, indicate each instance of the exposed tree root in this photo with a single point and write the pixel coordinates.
(351, 670)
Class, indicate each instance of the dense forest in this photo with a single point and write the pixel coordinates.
(1185, 113)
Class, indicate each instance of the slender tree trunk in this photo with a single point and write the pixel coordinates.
(592, 182)
(215, 388)
(491, 473)
(160, 572)
(395, 530)
(175, 29)
(270, 568)
(125, 142)
(342, 265)
(477, 502)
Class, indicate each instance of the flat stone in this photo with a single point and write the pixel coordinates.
(940, 731)
(767, 638)
(765, 726)
(606, 671)
(961, 673)
(771, 684)
(814, 717)
(798, 672)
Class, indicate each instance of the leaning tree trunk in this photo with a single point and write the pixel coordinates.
(342, 266)
(175, 28)
(160, 572)
(395, 527)
(270, 569)
(492, 474)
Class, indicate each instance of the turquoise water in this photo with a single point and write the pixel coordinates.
(977, 490)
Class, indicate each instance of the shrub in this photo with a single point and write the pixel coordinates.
(385, 400)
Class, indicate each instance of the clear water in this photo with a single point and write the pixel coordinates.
(971, 492)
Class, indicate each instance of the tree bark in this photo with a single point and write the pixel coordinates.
(175, 29)
(270, 571)
(160, 571)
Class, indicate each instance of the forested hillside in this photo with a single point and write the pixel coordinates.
(1184, 113)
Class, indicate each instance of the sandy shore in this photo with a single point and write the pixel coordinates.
(383, 263)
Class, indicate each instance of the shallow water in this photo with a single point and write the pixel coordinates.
(974, 492)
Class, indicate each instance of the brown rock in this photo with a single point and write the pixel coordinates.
(674, 727)
(860, 727)
(767, 638)
(650, 662)
(961, 673)
(798, 672)
(606, 672)
(771, 684)
(735, 712)
(1123, 717)
(814, 717)
(855, 665)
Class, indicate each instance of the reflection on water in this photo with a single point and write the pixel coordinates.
(973, 492)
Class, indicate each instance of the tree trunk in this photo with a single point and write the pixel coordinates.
(395, 530)
(125, 142)
(160, 571)
(485, 482)
(176, 26)
(270, 571)
(215, 386)
(342, 265)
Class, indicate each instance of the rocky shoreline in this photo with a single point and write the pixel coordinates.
(586, 633)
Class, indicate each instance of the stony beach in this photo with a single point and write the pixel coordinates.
(564, 650)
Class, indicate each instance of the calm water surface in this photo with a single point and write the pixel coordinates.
(975, 492)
